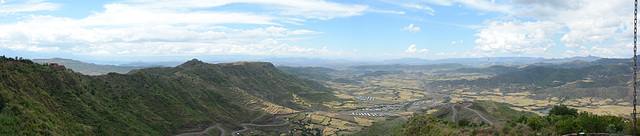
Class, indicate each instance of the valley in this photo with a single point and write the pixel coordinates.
(256, 98)
(402, 91)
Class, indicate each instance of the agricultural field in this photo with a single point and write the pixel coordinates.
(374, 95)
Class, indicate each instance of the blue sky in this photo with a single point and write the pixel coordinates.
(169, 30)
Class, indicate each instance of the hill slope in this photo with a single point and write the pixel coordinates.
(87, 68)
(307, 72)
(604, 80)
(155, 101)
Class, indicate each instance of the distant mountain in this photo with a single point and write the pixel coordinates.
(428, 67)
(502, 69)
(487, 61)
(582, 63)
(492, 70)
(38, 100)
(307, 72)
(313, 62)
(607, 81)
(152, 64)
(87, 68)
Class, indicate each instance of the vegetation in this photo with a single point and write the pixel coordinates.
(38, 100)
(607, 81)
(383, 128)
(411, 67)
(413, 99)
(563, 110)
(552, 124)
(492, 70)
(307, 72)
(87, 68)
(566, 120)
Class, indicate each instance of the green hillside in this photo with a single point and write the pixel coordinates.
(87, 68)
(492, 70)
(539, 78)
(307, 72)
(560, 121)
(37, 100)
(430, 67)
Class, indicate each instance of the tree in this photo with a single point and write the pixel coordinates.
(566, 126)
(534, 123)
(592, 123)
(562, 110)
(463, 122)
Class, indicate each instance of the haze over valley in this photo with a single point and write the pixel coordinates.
(316, 67)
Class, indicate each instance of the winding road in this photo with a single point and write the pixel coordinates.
(435, 99)
(244, 125)
(223, 132)
(455, 113)
(480, 115)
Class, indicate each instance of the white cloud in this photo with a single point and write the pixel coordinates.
(482, 5)
(452, 54)
(587, 21)
(516, 36)
(23, 47)
(617, 50)
(387, 11)
(121, 14)
(487, 5)
(154, 39)
(12, 6)
(418, 6)
(413, 49)
(148, 28)
(265, 47)
(584, 25)
(410, 28)
(316, 9)
(457, 42)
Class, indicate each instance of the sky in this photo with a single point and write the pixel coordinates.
(170, 30)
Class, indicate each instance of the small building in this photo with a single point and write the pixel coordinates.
(56, 66)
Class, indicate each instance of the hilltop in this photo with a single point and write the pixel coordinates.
(87, 68)
(153, 101)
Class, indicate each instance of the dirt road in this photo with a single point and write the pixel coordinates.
(223, 132)
(455, 113)
(480, 115)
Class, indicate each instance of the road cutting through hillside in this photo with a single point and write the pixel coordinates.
(480, 115)
(244, 125)
(435, 99)
(223, 132)
(455, 113)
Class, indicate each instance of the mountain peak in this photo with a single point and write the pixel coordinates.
(194, 60)
(191, 62)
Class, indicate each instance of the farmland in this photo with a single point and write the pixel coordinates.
(381, 93)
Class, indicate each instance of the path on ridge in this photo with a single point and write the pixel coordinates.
(435, 99)
(455, 113)
(480, 115)
(223, 132)
(244, 125)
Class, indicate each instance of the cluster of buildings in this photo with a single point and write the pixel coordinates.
(369, 114)
(365, 98)
(437, 104)
(413, 103)
(385, 108)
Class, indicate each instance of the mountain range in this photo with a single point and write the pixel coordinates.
(39, 100)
